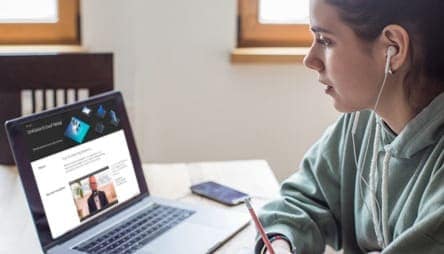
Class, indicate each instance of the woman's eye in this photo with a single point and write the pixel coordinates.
(323, 41)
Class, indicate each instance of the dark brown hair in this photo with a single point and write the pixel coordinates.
(423, 21)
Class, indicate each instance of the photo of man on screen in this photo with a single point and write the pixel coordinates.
(97, 200)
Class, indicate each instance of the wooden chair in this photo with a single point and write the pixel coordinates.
(62, 74)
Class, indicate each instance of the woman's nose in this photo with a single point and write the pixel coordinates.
(313, 62)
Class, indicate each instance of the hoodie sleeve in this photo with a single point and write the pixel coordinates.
(308, 210)
(427, 233)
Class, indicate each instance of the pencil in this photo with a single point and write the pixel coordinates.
(259, 226)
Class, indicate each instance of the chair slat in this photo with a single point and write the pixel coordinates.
(65, 96)
(33, 100)
(54, 97)
(44, 100)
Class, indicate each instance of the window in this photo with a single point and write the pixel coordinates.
(273, 23)
(39, 22)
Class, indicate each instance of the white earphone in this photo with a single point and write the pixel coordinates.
(391, 51)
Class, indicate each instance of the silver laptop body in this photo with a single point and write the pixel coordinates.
(62, 153)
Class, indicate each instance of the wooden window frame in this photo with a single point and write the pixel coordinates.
(65, 31)
(251, 33)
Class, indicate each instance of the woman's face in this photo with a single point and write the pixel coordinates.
(347, 66)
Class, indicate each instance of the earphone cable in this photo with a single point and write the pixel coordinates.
(361, 177)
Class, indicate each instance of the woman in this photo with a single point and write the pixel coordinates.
(374, 182)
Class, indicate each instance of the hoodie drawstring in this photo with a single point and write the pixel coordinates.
(381, 235)
(384, 197)
(373, 188)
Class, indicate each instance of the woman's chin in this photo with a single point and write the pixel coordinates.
(343, 108)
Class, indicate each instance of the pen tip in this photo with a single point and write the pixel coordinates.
(247, 202)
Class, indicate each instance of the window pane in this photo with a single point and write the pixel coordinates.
(28, 11)
(283, 11)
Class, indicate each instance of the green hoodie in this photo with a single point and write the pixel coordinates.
(398, 186)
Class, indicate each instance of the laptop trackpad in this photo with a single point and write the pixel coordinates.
(186, 238)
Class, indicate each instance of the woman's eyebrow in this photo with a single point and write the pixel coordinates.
(317, 29)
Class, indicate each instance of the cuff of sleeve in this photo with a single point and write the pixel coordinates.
(276, 230)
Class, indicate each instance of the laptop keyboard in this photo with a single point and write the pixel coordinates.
(136, 231)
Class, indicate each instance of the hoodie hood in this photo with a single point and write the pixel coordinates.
(422, 131)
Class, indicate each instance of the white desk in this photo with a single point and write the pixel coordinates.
(17, 233)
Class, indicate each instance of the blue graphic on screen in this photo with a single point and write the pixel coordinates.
(99, 128)
(114, 119)
(76, 130)
(101, 112)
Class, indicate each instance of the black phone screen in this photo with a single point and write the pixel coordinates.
(219, 192)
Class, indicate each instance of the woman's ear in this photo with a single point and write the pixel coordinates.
(396, 36)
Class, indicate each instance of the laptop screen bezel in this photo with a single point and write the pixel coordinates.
(18, 146)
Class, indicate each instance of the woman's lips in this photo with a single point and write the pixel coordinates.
(328, 88)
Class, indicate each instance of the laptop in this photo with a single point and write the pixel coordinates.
(86, 190)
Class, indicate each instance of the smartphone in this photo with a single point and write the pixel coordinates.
(219, 193)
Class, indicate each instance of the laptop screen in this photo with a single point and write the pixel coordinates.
(81, 163)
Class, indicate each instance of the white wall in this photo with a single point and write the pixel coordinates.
(187, 101)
